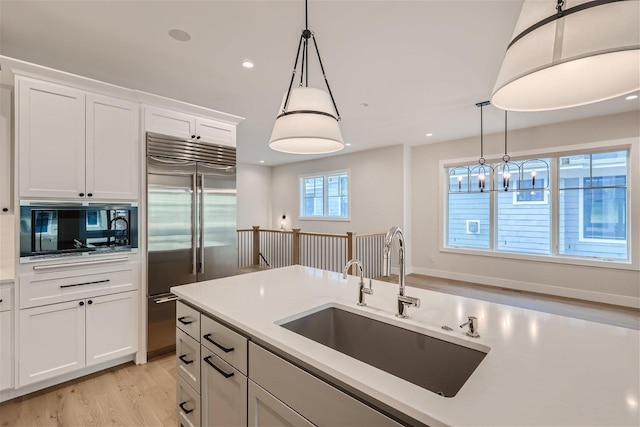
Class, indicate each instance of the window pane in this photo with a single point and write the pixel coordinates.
(593, 205)
(468, 224)
(524, 222)
(316, 202)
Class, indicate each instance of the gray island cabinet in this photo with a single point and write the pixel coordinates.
(225, 379)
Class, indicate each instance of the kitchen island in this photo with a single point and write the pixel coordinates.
(540, 369)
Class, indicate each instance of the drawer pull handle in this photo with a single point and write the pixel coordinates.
(225, 349)
(184, 322)
(184, 360)
(186, 411)
(223, 373)
(163, 300)
(85, 283)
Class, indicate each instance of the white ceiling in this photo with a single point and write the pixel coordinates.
(419, 65)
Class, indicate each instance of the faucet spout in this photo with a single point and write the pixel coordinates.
(403, 300)
(362, 290)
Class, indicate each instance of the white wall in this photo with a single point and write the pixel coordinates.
(376, 187)
(587, 282)
(254, 195)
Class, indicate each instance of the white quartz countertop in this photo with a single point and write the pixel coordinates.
(541, 369)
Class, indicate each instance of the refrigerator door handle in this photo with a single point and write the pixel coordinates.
(201, 225)
(194, 220)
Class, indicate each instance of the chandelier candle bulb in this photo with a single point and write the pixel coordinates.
(459, 183)
(533, 179)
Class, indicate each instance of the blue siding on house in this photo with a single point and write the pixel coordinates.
(569, 240)
(522, 227)
(468, 206)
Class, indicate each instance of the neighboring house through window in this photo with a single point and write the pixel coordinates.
(591, 215)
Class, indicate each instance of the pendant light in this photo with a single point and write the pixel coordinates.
(580, 53)
(308, 119)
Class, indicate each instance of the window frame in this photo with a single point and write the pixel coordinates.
(632, 145)
(325, 196)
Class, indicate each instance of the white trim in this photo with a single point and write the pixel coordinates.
(325, 195)
(601, 297)
(612, 263)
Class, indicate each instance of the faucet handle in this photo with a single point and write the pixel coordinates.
(473, 326)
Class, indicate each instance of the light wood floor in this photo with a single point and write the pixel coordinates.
(128, 395)
(145, 395)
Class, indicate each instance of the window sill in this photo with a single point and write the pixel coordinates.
(556, 259)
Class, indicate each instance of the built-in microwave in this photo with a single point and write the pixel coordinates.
(61, 229)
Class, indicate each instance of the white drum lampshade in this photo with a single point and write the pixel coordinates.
(309, 125)
(590, 53)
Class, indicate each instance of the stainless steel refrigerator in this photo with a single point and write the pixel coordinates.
(191, 225)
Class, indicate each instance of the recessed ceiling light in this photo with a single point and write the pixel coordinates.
(261, 161)
(630, 97)
(429, 134)
(247, 64)
(348, 144)
(364, 104)
(180, 35)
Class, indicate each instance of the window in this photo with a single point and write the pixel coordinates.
(325, 196)
(591, 220)
(593, 205)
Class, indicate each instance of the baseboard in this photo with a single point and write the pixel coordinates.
(601, 297)
(13, 393)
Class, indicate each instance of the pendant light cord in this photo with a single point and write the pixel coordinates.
(506, 157)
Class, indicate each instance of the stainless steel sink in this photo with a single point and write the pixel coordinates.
(429, 362)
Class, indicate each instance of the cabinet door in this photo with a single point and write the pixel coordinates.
(112, 148)
(215, 132)
(6, 350)
(112, 326)
(266, 410)
(51, 340)
(51, 140)
(223, 391)
(167, 122)
(6, 159)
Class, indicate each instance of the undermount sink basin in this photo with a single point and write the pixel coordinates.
(424, 360)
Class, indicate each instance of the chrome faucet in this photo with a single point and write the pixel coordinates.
(403, 301)
(363, 290)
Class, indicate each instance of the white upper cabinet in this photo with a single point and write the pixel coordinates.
(74, 144)
(181, 125)
(51, 140)
(111, 148)
(6, 159)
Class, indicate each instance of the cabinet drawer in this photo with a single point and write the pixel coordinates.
(230, 346)
(38, 288)
(314, 399)
(6, 298)
(188, 319)
(223, 392)
(188, 405)
(188, 359)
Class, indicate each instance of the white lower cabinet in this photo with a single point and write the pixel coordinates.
(265, 410)
(60, 338)
(111, 327)
(6, 350)
(52, 341)
(223, 392)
